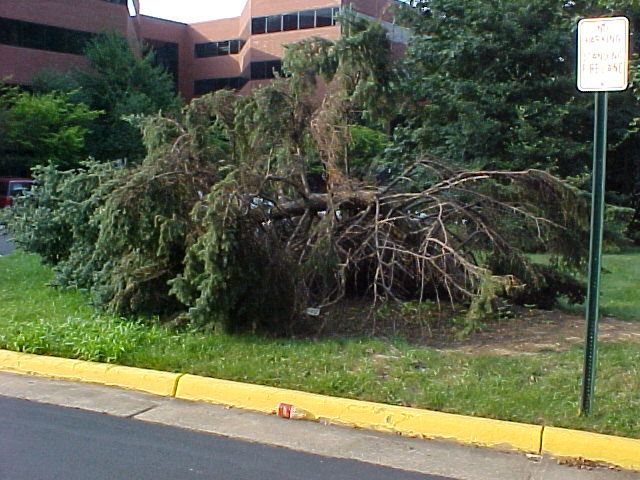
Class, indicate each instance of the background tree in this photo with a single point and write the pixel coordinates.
(41, 129)
(120, 233)
(623, 160)
(121, 84)
(491, 84)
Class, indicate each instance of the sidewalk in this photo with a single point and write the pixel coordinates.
(436, 457)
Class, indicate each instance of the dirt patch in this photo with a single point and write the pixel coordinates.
(543, 331)
(527, 331)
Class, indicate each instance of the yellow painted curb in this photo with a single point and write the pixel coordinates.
(150, 381)
(404, 420)
(618, 451)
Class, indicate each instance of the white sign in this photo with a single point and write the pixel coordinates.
(603, 54)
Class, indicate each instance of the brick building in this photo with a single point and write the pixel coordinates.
(228, 53)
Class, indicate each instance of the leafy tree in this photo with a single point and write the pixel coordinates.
(40, 129)
(52, 80)
(120, 232)
(365, 150)
(55, 219)
(121, 84)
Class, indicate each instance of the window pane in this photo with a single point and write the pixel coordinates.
(242, 81)
(32, 36)
(237, 83)
(262, 70)
(257, 70)
(8, 32)
(223, 47)
(200, 87)
(307, 18)
(209, 49)
(43, 37)
(74, 40)
(59, 42)
(258, 25)
(323, 17)
(290, 21)
(18, 188)
(274, 23)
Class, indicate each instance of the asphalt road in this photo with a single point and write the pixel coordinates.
(6, 246)
(42, 442)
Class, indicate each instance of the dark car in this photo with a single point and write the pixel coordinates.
(11, 187)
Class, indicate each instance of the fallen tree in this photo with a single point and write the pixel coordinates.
(461, 239)
(246, 214)
(434, 231)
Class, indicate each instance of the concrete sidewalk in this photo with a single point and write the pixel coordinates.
(434, 457)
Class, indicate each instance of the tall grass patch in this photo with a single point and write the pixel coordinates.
(41, 319)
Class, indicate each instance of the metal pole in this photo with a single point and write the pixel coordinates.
(595, 247)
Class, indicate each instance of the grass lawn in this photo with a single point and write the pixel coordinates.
(620, 296)
(543, 388)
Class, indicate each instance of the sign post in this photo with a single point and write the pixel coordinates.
(603, 66)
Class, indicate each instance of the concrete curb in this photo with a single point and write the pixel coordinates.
(407, 421)
(618, 451)
(411, 422)
(150, 381)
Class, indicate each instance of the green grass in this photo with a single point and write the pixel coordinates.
(38, 318)
(621, 286)
(542, 388)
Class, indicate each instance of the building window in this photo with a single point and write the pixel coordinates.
(274, 23)
(324, 17)
(321, 17)
(259, 71)
(266, 69)
(307, 19)
(290, 21)
(215, 49)
(259, 25)
(235, 46)
(18, 33)
(209, 49)
(223, 48)
(207, 85)
(165, 55)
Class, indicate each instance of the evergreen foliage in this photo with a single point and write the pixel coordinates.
(491, 84)
(122, 84)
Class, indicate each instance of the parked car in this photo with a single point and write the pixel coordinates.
(11, 187)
